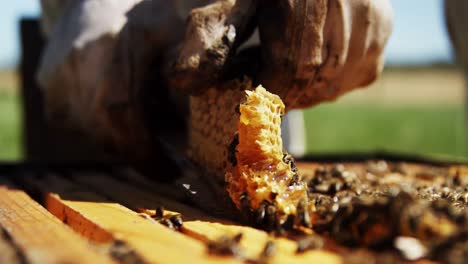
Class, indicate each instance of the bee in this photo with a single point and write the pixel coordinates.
(226, 246)
(245, 207)
(173, 221)
(309, 243)
(288, 159)
(121, 252)
(303, 216)
(260, 214)
(270, 217)
(176, 220)
(167, 222)
(231, 150)
(159, 212)
(269, 250)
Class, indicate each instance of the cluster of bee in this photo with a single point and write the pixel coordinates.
(265, 217)
(172, 221)
(268, 218)
(373, 205)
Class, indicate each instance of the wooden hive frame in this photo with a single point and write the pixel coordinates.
(79, 221)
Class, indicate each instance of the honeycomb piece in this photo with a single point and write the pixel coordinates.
(261, 171)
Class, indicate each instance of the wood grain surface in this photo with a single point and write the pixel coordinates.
(40, 236)
(108, 216)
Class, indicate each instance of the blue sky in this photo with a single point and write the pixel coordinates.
(10, 12)
(419, 35)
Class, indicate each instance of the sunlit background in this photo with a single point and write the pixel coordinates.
(416, 107)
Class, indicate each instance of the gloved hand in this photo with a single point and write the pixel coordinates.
(114, 68)
(317, 50)
(310, 50)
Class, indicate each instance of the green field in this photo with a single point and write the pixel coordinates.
(10, 130)
(438, 130)
(331, 128)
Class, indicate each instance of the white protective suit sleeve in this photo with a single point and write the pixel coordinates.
(100, 52)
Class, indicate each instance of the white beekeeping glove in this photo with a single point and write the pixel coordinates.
(110, 65)
(316, 50)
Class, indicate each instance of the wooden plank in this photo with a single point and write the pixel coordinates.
(41, 237)
(106, 221)
(136, 198)
(168, 190)
(191, 178)
(207, 230)
(8, 251)
(254, 240)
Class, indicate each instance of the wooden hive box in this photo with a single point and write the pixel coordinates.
(53, 211)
